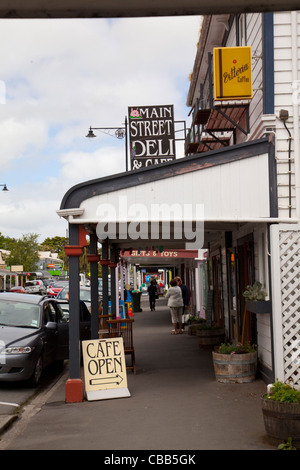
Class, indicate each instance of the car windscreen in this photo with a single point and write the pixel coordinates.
(19, 314)
(63, 294)
(85, 294)
(59, 284)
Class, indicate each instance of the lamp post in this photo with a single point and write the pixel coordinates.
(120, 133)
(4, 187)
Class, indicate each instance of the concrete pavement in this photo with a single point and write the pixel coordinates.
(175, 403)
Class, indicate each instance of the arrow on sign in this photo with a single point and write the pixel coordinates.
(113, 380)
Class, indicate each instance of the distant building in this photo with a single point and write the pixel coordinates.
(50, 264)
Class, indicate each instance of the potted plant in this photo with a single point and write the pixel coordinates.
(210, 334)
(235, 362)
(281, 413)
(255, 299)
(194, 323)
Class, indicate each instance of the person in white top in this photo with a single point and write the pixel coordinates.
(175, 302)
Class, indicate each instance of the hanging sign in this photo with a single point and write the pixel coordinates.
(151, 135)
(233, 73)
(104, 369)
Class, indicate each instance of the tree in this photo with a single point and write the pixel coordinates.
(55, 245)
(24, 251)
(6, 242)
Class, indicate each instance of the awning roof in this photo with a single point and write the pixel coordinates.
(161, 205)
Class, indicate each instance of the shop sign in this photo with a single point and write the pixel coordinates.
(160, 254)
(17, 268)
(105, 373)
(151, 135)
(233, 73)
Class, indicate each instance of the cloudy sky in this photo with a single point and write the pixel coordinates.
(58, 78)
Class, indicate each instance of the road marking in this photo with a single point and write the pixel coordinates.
(8, 404)
(29, 411)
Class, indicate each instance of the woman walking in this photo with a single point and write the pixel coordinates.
(175, 302)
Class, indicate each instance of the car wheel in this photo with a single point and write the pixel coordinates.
(35, 378)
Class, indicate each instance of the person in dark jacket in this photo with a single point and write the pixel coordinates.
(152, 289)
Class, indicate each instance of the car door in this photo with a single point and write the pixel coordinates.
(50, 335)
(85, 322)
(62, 347)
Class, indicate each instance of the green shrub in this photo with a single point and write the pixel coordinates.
(255, 292)
(283, 393)
(236, 348)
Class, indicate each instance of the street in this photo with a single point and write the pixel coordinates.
(14, 394)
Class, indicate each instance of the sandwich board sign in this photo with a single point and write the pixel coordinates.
(104, 369)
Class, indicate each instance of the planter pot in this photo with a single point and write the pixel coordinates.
(259, 306)
(235, 368)
(282, 420)
(210, 338)
(193, 328)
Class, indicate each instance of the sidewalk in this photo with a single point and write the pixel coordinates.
(175, 403)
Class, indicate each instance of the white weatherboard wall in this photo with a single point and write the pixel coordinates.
(232, 191)
(287, 97)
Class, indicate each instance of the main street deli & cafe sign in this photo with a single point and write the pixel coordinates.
(151, 135)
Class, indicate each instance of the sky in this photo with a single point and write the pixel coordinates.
(58, 78)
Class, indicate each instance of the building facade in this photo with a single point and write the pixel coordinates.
(258, 247)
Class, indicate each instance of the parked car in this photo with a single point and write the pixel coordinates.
(54, 289)
(19, 289)
(85, 315)
(33, 334)
(35, 287)
(84, 294)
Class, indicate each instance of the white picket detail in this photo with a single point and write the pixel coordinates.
(286, 301)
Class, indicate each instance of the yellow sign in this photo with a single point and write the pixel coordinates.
(104, 369)
(233, 73)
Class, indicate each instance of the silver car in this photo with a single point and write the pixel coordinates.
(35, 287)
(33, 334)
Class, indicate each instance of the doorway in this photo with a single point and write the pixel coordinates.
(245, 276)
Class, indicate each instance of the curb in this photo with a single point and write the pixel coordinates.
(6, 421)
(36, 403)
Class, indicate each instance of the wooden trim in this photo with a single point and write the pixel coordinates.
(105, 262)
(93, 258)
(73, 250)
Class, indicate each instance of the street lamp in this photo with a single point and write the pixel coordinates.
(120, 133)
(4, 187)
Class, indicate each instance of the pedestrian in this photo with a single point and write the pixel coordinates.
(175, 302)
(185, 295)
(152, 289)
